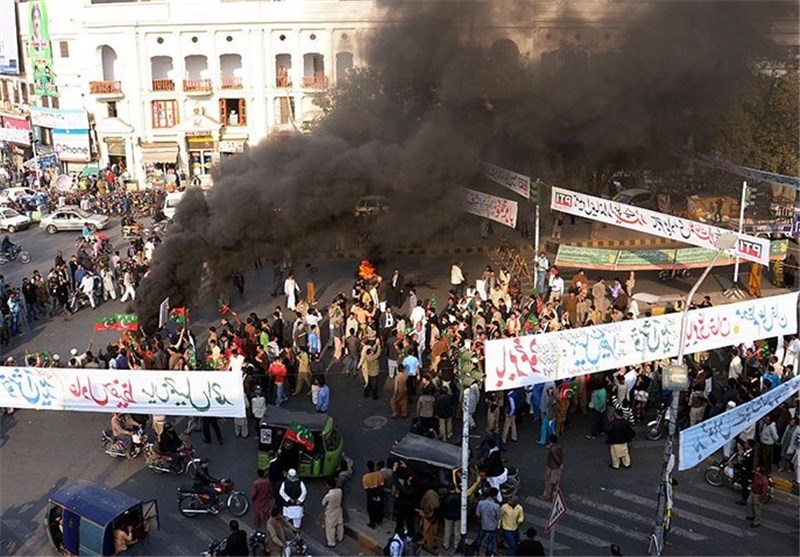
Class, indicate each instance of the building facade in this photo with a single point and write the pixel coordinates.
(179, 85)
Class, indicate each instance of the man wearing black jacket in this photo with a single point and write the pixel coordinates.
(618, 434)
(236, 542)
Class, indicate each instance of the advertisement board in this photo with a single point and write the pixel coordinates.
(60, 118)
(41, 56)
(9, 40)
(72, 145)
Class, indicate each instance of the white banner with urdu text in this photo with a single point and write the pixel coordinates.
(531, 359)
(518, 183)
(704, 439)
(491, 207)
(658, 224)
(135, 391)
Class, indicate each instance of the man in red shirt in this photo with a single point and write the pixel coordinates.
(277, 370)
(759, 494)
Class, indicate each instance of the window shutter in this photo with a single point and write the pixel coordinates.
(242, 112)
(223, 116)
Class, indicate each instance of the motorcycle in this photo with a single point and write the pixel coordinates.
(184, 463)
(656, 428)
(508, 489)
(192, 502)
(667, 275)
(16, 253)
(77, 301)
(295, 547)
(728, 470)
(119, 448)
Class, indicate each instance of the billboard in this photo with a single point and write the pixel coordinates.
(9, 53)
(44, 79)
(61, 118)
(72, 145)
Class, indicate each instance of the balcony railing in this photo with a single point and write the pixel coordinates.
(197, 85)
(163, 85)
(230, 82)
(315, 82)
(283, 81)
(105, 87)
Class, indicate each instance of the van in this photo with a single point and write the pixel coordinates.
(171, 203)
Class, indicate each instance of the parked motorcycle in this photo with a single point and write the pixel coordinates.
(728, 470)
(295, 546)
(77, 301)
(667, 275)
(192, 502)
(656, 428)
(121, 448)
(184, 463)
(17, 253)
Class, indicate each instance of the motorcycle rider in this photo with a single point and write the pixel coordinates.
(204, 482)
(8, 247)
(169, 444)
(746, 465)
(121, 430)
(236, 542)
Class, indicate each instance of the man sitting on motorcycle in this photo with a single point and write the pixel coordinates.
(8, 247)
(120, 429)
(169, 444)
(204, 482)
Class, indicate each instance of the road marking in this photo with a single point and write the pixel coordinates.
(636, 517)
(734, 512)
(681, 513)
(608, 526)
(570, 533)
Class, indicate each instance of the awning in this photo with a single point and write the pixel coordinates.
(116, 146)
(153, 153)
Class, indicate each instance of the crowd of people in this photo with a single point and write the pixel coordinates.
(425, 348)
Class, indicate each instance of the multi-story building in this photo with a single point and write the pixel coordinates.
(184, 83)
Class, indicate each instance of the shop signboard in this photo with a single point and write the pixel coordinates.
(72, 145)
(9, 50)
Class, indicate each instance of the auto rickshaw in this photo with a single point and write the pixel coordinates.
(314, 447)
(435, 460)
(82, 518)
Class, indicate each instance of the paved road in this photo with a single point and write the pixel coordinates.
(41, 450)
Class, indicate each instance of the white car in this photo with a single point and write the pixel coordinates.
(370, 206)
(72, 218)
(11, 221)
(171, 203)
(16, 193)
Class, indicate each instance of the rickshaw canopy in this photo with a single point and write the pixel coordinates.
(95, 502)
(282, 418)
(429, 451)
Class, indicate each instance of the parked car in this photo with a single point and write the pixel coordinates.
(171, 202)
(371, 205)
(17, 193)
(637, 197)
(12, 221)
(72, 218)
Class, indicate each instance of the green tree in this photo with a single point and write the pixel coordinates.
(761, 129)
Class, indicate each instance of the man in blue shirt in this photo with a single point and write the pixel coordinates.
(323, 396)
(412, 365)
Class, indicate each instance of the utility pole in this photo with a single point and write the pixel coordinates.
(734, 291)
(462, 374)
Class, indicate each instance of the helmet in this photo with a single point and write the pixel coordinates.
(204, 460)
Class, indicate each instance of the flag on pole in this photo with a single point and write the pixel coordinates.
(301, 435)
(163, 313)
(118, 322)
(222, 307)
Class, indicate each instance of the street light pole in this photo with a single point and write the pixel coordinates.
(665, 490)
(741, 227)
(464, 452)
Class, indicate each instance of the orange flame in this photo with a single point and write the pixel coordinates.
(366, 270)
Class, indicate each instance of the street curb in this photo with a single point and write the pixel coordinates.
(638, 243)
(409, 252)
(364, 540)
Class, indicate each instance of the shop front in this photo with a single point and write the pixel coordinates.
(160, 163)
(15, 140)
(230, 147)
(202, 146)
(115, 140)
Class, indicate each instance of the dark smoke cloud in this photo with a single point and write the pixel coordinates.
(434, 103)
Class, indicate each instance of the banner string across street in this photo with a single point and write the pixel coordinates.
(704, 439)
(658, 224)
(532, 359)
(195, 393)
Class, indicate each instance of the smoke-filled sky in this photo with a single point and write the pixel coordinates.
(433, 104)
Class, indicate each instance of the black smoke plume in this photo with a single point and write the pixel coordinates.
(436, 99)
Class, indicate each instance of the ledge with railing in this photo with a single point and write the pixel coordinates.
(197, 85)
(163, 85)
(318, 81)
(230, 82)
(105, 87)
